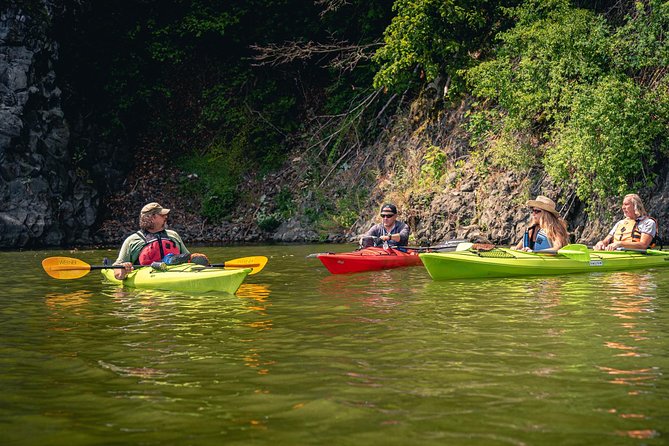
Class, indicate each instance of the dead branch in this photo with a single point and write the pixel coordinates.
(330, 5)
(346, 55)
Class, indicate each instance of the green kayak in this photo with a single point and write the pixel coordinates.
(188, 277)
(502, 262)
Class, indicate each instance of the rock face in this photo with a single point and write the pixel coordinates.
(42, 201)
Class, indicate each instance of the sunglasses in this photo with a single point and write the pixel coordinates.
(536, 211)
(387, 215)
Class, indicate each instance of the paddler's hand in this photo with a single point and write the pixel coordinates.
(121, 274)
(612, 246)
(384, 238)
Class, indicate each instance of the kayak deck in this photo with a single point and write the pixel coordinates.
(368, 259)
(188, 277)
(503, 262)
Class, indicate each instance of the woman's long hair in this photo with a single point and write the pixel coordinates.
(555, 228)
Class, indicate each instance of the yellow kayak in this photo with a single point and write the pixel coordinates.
(187, 277)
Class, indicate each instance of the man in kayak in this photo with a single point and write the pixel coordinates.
(636, 231)
(153, 243)
(547, 229)
(390, 231)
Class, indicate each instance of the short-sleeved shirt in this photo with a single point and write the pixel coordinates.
(400, 228)
(134, 243)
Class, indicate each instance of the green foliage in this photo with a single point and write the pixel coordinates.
(434, 36)
(563, 75)
(642, 40)
(267, 222)
(219, 173)
(348, 206)
(541, 60)
(607, 141)
(285, 204)
(435, 163)
(250, 114)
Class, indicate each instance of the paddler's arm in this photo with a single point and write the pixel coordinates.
(393, 237)
(123, 258)
(121, 274)
(643, 243)
(402, 237)
(602, 244)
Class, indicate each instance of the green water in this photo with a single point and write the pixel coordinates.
(300, 356)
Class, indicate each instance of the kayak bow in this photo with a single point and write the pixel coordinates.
(368, 259)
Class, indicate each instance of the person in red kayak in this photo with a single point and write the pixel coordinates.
(390, 231)
(636, 231)
(153, 243)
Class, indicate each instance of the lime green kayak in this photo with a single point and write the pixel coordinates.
(502, 262)
(188, 277)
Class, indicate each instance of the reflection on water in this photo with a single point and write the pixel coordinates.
(631, 299)
(300, 356)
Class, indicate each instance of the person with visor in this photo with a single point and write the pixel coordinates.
(389, 233)
(547, 229)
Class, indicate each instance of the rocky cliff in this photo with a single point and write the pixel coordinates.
(44, 199)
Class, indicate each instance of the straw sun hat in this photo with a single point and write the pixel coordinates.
(545, 204)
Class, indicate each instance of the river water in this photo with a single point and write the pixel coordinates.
(299, 356)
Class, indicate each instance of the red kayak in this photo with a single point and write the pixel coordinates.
(369, 259)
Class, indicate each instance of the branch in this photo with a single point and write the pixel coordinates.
(346, 55)
(330, 5)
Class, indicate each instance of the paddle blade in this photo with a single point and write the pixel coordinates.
(256, 263)
(464, 246)
(576, 252)
(65, 268)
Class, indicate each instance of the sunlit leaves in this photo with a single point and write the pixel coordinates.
(595, 95)
(429, 38)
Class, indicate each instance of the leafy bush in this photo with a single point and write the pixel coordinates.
(607, 141)
(268, 222)
(540, 61)
(436, 36)
(219, 172)
(435, 163)
(567, 77)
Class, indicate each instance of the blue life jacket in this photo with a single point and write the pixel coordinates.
(540, 242)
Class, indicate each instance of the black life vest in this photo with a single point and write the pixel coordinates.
(156, 246)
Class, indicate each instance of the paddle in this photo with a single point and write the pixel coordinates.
(449, 245)
(256, 263)
(316, 254)
(66, 268)
(464, 246)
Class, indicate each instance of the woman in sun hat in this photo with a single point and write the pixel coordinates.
(547, 229)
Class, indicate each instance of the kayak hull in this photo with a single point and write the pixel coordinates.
(189, 278)
(502, 262)
(368, 259)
